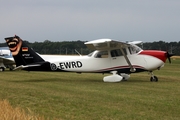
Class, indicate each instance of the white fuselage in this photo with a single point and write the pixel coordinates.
(92, 63)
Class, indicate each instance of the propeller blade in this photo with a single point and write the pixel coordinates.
(169, 56)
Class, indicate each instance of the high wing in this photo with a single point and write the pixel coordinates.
(105, 44)
(135, 42)
(7, 60)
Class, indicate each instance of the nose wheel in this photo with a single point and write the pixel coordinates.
(153, 78)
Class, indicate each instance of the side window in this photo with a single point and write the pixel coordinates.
(117, 52)
(102, 54)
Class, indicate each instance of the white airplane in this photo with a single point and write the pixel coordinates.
(110, 56)
(6, 59)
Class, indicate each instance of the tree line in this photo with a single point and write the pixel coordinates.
(75, 47)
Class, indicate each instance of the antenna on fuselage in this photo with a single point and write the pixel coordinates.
(77, 52)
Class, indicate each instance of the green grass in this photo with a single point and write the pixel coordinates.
(86, 96)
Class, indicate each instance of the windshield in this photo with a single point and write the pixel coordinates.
(133, 49)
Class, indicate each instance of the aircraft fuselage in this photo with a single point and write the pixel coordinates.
(141, 62)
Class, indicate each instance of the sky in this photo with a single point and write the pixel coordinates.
(86, 20)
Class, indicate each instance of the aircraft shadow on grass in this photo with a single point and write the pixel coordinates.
(75, 81)
(57, 80)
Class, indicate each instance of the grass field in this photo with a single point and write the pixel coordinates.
(56, 95)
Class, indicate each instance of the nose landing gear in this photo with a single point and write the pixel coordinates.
(153, 78)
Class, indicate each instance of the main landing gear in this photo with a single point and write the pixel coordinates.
(2, 69)
(153, 78)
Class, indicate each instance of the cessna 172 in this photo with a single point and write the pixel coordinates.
(110, 56)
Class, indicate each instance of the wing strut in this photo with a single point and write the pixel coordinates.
(132, 69)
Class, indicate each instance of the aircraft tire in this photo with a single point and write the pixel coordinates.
(2, 69)
(155, 79)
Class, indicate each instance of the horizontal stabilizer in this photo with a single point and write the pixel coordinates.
(26, 66)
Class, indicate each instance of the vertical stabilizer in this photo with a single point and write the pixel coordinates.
(22, 53)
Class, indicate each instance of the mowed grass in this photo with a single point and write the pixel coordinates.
(65, 96)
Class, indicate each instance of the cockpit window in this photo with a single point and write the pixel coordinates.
(101, 54)
(133, 49)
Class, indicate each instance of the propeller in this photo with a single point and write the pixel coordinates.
(169, 55)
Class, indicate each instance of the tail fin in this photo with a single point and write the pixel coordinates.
(22, 53)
